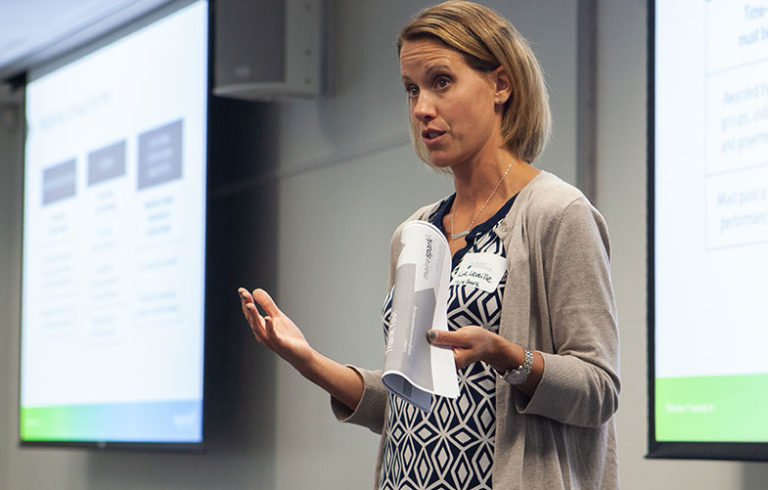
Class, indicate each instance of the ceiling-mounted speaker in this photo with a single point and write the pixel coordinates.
(268, 49)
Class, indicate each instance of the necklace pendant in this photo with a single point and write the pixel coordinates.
(459, 235)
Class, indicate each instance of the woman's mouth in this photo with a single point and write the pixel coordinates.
(431, 135)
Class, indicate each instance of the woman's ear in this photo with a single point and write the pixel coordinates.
(502, 85)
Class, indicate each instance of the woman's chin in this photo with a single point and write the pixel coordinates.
(441, 161)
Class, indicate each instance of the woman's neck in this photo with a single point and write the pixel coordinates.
(474, 183)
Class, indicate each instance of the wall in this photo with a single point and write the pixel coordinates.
(10, 242)
(304, 195)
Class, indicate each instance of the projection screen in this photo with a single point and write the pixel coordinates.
(114, 239)
(708, 229)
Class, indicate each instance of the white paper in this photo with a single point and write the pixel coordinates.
(413, 368)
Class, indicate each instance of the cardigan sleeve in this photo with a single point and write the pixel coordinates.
(580, 385)
(370, 411)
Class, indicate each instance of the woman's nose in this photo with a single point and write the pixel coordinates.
(424, 108)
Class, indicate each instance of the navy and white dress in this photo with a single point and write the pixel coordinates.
(452, 446)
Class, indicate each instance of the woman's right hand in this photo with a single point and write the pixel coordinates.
(275, 330)
(280, 334)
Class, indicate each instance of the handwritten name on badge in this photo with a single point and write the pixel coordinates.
(481, 270)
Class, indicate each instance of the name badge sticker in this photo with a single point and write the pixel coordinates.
(481, 270)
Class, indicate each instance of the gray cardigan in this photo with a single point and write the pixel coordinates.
(559, 301)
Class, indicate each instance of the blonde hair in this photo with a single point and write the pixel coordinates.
(486, 41)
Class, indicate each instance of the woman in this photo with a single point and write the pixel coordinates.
(537, 352)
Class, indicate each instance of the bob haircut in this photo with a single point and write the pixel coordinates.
(486, 41)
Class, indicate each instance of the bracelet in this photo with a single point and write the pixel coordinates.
(520, 374)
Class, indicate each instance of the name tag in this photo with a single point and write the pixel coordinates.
(481, 270)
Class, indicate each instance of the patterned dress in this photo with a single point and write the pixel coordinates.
(451, 446)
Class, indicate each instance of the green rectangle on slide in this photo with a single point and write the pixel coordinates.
(712, 408)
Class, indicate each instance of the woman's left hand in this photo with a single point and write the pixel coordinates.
(470, 344)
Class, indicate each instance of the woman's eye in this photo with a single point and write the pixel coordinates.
(442, 82)
(412, 90)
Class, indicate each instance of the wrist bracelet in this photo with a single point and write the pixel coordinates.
(520, 374)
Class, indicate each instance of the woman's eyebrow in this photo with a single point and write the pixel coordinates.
(439, 67)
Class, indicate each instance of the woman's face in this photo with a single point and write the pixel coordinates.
(456, 109)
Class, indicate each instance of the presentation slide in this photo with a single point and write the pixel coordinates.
(114, 240)
(711, 221)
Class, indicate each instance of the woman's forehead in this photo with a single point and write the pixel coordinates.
(427, 54)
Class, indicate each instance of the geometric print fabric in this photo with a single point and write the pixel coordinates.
(451, 446)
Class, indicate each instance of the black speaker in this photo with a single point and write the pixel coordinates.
(267, 49)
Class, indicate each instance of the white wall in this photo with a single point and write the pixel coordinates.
(346, 175)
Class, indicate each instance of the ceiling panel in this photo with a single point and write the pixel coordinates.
(34, 31)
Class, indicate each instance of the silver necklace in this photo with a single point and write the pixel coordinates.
(456, 236)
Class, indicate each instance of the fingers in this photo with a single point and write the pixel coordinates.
(269, 328)
(446, 339)
(252, 315)
(266, 302)
(434, 337)
(245, 297)
(469, 343)
(245, 300)
(461, 358)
